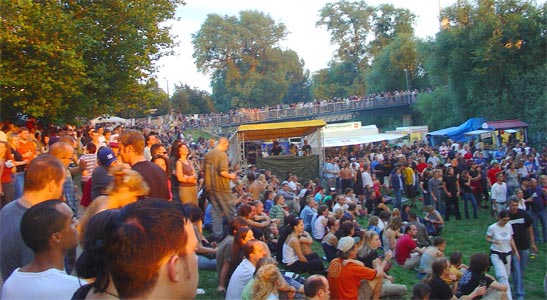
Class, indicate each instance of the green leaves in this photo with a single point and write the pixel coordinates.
(483, 55)
(68, 59)
(247, 67)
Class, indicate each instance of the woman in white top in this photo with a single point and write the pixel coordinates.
(296, 250)
(320, 225)
(520, 196)
(502, 248)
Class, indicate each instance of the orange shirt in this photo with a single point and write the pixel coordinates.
(25, 147)
(345, 278)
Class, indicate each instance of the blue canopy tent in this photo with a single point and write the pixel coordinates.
(456, 134)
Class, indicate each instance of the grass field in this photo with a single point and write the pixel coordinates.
(466, 236)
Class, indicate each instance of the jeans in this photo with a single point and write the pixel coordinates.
(205, 263)
(502, 271)
(542, 216)
(452, 201)
(18, 184)
(469, 197)
(398, 199)
(517, 272)
(427, 199)
(222, 205)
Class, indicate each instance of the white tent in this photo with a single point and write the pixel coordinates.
(108, 119)
(363, 135)
(361, 139)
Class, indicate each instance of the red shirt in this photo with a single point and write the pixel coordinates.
(492, 175)
(421, 166)
(345, 278)
(403, 248)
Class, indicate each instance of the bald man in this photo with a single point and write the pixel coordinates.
(217, 184)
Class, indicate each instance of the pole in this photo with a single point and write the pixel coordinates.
(406, 76)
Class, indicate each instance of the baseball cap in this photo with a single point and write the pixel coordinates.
(284, 182)
(332, 189)
(345, 244)
(106, 156)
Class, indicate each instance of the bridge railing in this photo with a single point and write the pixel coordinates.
(308, 109)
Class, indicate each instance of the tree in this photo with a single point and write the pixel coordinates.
(360, 32)
(483, 54)
(40, 67)
(247, 67)
(65, 59)
(387, 72)
(189, 100)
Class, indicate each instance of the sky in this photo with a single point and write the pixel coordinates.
(311, 43)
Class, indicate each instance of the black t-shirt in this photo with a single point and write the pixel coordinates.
(18, 157)
(451, 184)
(463, 186)
(155, 177)
(521, 221)
(439, 289)
(425, 183)
(367, 260)
(276, 150)
(470, 281)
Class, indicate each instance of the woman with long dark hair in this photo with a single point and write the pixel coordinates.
(186, 176)
(295, 246)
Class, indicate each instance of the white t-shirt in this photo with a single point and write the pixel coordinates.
(367, 179)
(319, 228)
(49, 284)
(243, 273)
(502, 235)
(499, 192)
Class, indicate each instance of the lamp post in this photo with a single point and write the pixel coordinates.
(168, 99)
(406, 76)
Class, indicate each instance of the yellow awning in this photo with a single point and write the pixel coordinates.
(270, 131)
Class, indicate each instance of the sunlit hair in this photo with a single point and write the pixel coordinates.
(395, 224)
(238, 245)
(124, 178)
(7, 154)
(147, 232)
(266, 282)
(366, 249)
(176, 149)
(133, 138)
(42, 170)
(373, 221)
(245, 211)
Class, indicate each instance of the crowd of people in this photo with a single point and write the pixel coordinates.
(143, 208)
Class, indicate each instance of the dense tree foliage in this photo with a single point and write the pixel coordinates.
(63, 59)
(361, 32)
(490, 56)
(189, 100)
(247, 67)
(387, 73)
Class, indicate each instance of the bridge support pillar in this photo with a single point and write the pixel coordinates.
(407, 120)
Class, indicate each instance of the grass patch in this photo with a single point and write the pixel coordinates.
(466, 236)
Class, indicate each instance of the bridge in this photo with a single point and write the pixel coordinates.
(330, 111)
